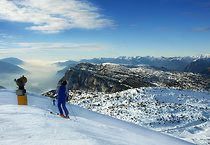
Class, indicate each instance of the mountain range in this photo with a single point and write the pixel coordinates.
(10, 65)
(196, 64)
(13, 60)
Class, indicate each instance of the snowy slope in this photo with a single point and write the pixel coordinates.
(33, 124)
(181, 113)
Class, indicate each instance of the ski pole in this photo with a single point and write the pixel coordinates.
(47, 109)
(72, 111)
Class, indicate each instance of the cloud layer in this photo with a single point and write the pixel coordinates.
(49, 47)
(200, 29)
(53, 16)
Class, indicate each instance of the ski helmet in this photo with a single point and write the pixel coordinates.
(64, 83)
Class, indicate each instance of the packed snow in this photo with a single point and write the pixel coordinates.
(33, 124)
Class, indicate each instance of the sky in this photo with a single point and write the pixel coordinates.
(58, 30)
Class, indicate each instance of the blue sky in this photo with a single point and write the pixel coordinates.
(54, 30)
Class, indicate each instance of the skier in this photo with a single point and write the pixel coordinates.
(63, 94)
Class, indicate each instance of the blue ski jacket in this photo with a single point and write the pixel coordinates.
(62, 93)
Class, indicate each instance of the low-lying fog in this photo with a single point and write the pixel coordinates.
(41, 77)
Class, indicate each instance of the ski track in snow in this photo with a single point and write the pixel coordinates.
(33, 124)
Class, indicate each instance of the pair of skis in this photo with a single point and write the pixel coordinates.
(57, 114)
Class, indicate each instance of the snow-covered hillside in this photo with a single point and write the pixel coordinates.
(34, 125)
(180, 113)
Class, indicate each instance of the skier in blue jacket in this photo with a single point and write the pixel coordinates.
(63, 94)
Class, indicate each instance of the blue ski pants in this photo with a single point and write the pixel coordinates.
(63, 104)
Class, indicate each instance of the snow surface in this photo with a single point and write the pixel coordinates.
(33, 124)
(181, 113)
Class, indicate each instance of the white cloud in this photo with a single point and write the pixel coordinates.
(2, 43)
(200, 29)
(53, 16)
(48, 47)
(3, 35)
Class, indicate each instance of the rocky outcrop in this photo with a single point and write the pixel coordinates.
(102, 78)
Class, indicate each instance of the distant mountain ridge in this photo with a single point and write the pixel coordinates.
(197, 66)
(66, 63)
(9, 65)
(13, 60)
(170, 63)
